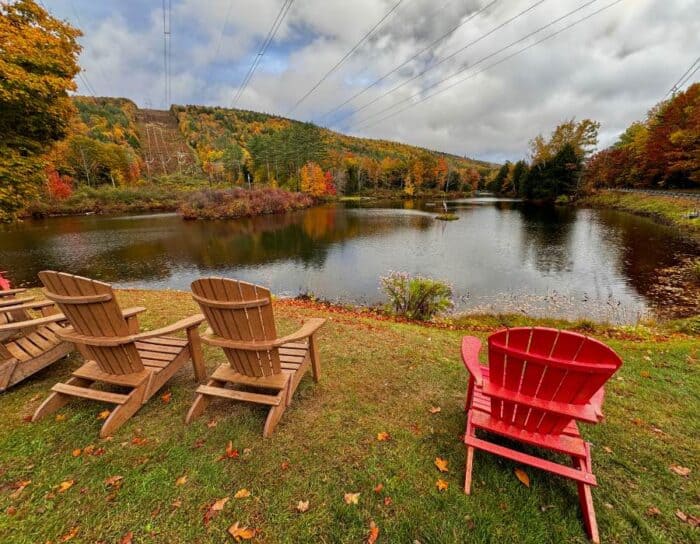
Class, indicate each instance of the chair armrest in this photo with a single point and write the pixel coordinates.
(8, 292)
(130, 312)
(27, 306)
(596, 402)
(15, 301)
(306, 330)
(31, 323)
(470, 356)
(187, 323)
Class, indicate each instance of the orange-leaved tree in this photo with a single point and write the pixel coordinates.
(38, 61)
(313, 180)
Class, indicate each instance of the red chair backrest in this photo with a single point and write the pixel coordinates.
(4, 282)
(549, 365)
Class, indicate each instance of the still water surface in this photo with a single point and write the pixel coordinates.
(500, 256)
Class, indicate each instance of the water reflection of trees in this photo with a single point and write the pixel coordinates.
(546, 237)
(106, 248)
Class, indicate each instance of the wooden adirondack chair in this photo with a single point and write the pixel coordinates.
(538, 384)
(242, 323)
(28, 344)
(115, 352)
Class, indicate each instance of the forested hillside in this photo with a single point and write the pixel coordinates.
(234, 144)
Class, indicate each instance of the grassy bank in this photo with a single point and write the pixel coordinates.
(113, 200)
(668, 210)
(379, 375)
(234, 203)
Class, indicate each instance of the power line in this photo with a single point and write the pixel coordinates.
(345, 57)
(452, 55)
(398, 67)
(166, 49)
(492, 65)
(261, 52)
(683, 79)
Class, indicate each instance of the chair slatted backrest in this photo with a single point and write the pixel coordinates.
(548, 365)
(240, 311)
(92, 310)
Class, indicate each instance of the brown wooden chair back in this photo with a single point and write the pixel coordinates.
(93, 312)
(240, 311)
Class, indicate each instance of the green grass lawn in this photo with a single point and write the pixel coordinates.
(377, 376)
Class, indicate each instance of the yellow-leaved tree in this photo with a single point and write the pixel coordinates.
(313, 179)
(38, 61)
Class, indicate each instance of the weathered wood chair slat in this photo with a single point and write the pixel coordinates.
(116, 353)
(242, 323)
(27, 340)
(538, 384)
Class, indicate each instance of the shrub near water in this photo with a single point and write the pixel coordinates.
(416, 297)
(232, 203)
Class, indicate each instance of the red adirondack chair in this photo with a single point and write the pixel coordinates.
(538, 384)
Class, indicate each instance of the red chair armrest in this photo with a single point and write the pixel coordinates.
(470, 356)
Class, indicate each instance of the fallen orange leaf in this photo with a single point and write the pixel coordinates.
(441, 464)
(165, 397)
(127, 538)
(104, 414)
(241, 533)
(351, 498)
(65, 486)
(182, 480)
(242, 494)
(434, 409)
(230, 452)
(212, 423)
(378, 488)
(373, 533)
(138, 441)
(441, 485)
(60, 417)
(114, 481)
(653, 511)
(216, 506)
(388, 501)
(70, 534)
(681, 471)
(302, 506)
(383, 436)
(76, 452)
(284, 465)
(524, 478)
(19, 487)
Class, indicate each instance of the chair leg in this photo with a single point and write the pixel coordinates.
(468, 472)
(315, 358)
(201, 401)
(56, 400)
(275, 413)
(123, 412)
(585, 496)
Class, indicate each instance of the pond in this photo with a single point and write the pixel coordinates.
(500, 256)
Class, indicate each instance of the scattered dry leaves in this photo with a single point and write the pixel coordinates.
(114, 482)
(441, 464)
(177, 503)
(241, 533)
(441, 485)
(242, 494)
(522, 476)
(373, 533)
(383, 436)
(653, 511)
(128, 538)
(302, 506)
(65, 486)
(18, 488)
(212, 423)
(70, 534)
(138, 441)
(213, 509)
(165, 397)
(434, 409)
(351, 498)
(681, 471)
(691, 520)
(182, 480)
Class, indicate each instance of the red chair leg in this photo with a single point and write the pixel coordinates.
(586, 497)
(468, 473)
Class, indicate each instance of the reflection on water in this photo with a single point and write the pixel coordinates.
(501, 255)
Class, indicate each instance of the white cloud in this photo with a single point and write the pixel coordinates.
(612, 68)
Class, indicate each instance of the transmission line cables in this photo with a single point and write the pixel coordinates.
(492, 65)
(444, 60)
(345, 57)
(678, 85)
(167, 57)
(414, 57)
(263, 48)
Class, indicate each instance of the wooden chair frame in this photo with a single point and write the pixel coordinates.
(257, 359)
(154, 355)
(507, 409)
(28, 344)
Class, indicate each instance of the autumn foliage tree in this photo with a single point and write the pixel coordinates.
(38, 61)
(313, 179)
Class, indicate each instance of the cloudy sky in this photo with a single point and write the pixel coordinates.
(610, 67)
